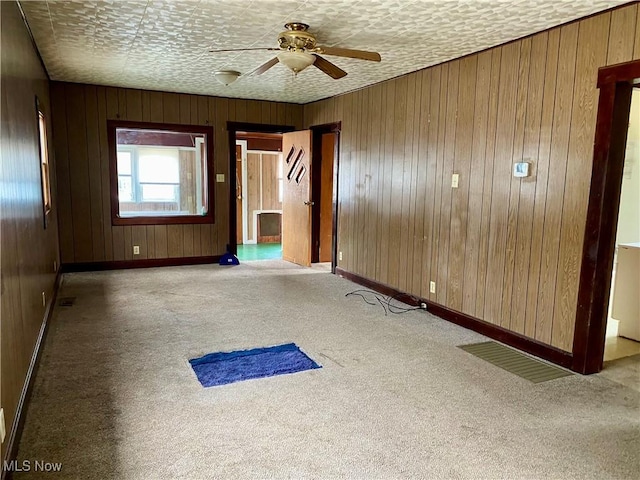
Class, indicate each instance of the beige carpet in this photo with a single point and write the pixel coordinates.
(115, 398)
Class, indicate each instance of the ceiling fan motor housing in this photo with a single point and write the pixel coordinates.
(296, 37)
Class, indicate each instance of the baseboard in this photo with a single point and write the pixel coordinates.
(546, 352)
(143, 263)
(18, 424)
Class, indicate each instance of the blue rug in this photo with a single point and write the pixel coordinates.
(229, 367)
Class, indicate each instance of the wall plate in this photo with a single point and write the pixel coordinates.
(521, 169)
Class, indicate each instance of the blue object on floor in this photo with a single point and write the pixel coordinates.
(228, 367)
(229, 259)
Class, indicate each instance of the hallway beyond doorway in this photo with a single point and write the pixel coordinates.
(259, 251)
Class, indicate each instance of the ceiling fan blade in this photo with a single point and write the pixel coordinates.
(329, 68)
(264, 67)
(242, 49)
(349, 53)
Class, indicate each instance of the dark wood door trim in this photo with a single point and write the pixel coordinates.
(318, 131)
(615, 84)
(232, 129)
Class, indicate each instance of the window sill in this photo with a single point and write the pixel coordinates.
(163, 220)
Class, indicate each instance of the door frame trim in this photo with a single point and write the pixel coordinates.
(615, 83)
(232, 129)
(316, 141)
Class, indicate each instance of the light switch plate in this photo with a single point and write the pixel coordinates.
(220, 177)
(432, 287)
(454, 180)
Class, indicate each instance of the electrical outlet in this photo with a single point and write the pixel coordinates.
(55, 266)
(44, 299)
(136, 249)
(339, 255)
(432, 287)
(3, 428)
(454, 180)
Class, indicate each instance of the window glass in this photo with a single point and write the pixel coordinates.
(161, 173)
(159, 193)
(124, 163)
(158, 165)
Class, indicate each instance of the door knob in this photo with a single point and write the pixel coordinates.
(308, 203)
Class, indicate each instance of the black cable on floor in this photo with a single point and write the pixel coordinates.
(371, 297)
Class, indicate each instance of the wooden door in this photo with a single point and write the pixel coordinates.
(297, 204)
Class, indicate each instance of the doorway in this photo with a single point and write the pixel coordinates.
(324, 191)
(256, 225)
(623, 319)
(615, 84)
(258, 195)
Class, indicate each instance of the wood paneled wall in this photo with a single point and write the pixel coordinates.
(502, 249)
(28, 250)
(80, 120)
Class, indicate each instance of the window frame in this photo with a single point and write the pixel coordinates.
(44, 160)
(116, 219)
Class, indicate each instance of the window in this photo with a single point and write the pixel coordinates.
(44, 163)
(160, 173)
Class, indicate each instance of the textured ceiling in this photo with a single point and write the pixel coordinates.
(163, 44)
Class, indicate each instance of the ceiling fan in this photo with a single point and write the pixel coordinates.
(298, 50)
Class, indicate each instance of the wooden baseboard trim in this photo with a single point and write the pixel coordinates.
(145, 263)
(25, 395)
(546, 352)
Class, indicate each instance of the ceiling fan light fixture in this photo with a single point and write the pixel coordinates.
(296, 61)
(226, 77)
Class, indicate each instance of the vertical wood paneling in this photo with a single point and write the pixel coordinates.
(375, 100)
(542, 177)
(530, 148)
(555, 186)
(438, 207)
(476, 182)
(515, 183)
(421, 132)
(112, 112)
(95, 177)
(395, 223)
(61, 150)
(591, 52)
(151, 241)
(448, 158)
(406, 224)
(499, 218)
(487, 187)
(430, 197)
(104, 175)
(79, 173)
(623, 26)
(384, 197)
(361, 185)
(462, 166)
